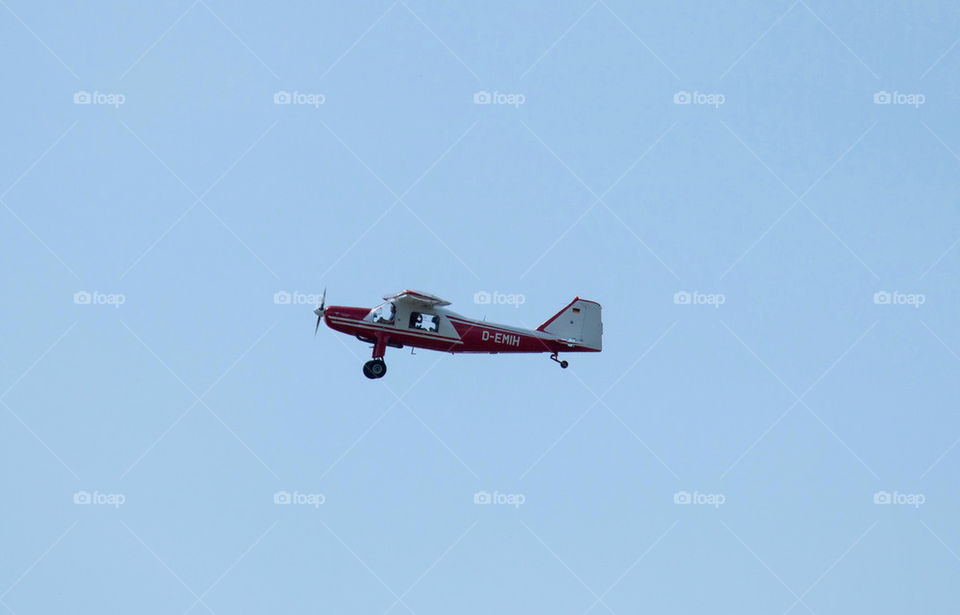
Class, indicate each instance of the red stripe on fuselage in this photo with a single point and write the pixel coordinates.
(481, 337)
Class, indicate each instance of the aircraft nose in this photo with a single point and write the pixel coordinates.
(342, 311)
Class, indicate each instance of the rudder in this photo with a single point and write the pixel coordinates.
(579, 321)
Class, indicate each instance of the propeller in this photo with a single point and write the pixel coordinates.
(319, 311)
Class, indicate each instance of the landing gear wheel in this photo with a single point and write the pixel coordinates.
(374, 369)
(563, 364)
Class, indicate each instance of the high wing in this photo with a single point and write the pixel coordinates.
(417, 298)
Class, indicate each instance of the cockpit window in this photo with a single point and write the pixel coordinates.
(424, 322)
(385, 313)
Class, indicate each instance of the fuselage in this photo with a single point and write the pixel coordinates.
(436, 328)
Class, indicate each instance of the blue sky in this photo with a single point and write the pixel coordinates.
(762, 197)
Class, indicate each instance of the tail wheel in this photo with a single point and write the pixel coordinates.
(374, 369)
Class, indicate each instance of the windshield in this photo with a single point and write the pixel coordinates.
(384, 313)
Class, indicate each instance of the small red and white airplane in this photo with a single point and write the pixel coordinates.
(419, 320)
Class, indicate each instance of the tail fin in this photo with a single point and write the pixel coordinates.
(579, 321)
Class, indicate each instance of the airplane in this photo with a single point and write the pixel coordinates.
(420, 320)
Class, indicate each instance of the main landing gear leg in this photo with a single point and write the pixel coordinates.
(376, 368)
(563, 364)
